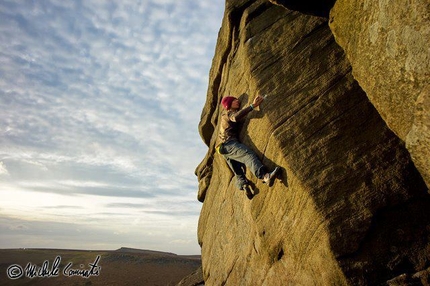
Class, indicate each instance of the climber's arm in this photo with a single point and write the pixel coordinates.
(238, 116)
(241, 114)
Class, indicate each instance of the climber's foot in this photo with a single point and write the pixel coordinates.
(248, 191)
(270, 177)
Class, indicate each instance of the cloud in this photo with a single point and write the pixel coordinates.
(3, 170)
(102, 100)
(19, 227)
(163, 208)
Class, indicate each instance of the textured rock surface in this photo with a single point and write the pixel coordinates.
(353, 209)
(312, 7)
(387, 43)
(194, 279)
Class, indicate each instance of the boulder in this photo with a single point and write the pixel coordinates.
(387, 44)
(194, 279)
(311, 7)
(350, 207)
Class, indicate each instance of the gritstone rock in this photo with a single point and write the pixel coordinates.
(351, 208)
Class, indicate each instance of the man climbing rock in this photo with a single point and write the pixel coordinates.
(236, 153)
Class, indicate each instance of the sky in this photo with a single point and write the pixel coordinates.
(100, 104)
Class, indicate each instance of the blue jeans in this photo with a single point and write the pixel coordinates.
(239, 156)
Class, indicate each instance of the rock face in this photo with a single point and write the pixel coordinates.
(194, 279)
(351, 208)
(312, 7)
(387, 43)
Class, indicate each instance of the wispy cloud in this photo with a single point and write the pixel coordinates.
(3, 170)
(103, 99)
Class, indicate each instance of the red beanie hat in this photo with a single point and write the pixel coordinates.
(226, 101)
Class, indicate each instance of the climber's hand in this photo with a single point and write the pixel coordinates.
(257, 100)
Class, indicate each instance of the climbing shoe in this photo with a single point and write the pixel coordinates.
(248, 190)
(269, 177)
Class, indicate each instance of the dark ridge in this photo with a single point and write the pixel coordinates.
(320, 8)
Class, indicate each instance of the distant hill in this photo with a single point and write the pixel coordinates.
(145, 251)
(154, 252)
(124, 266)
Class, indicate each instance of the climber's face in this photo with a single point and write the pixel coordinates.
(235, 104)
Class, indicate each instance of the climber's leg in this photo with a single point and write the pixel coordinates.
(239, 152)
(239, 172)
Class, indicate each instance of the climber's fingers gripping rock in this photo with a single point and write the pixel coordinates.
(257, 100)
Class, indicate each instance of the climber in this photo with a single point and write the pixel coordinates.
(236, 153)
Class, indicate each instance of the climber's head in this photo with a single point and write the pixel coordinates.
(230, 102)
